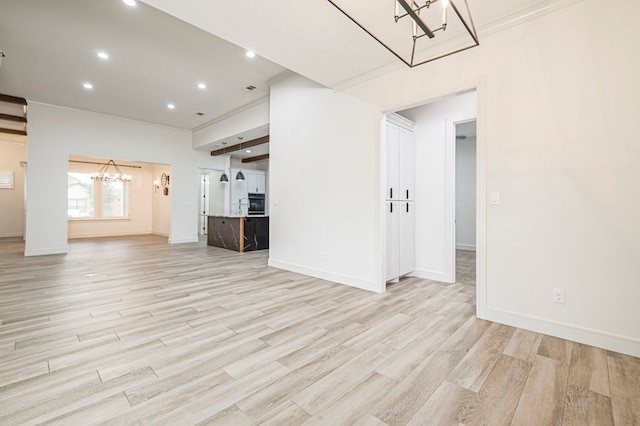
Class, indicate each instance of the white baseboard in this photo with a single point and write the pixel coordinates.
(466, 247)
(11, 235)
(183, 240)
(430, 275)
(599, 338)
(46, 251)
(329, 276)
(107, 234)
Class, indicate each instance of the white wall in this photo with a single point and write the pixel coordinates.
(324, 185)
(466, 194)
(56, 132)
(12, 200)
(217, 194)
(434, 183)
(559, 101)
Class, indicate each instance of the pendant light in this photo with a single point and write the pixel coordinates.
(224, 178)
(240, 175)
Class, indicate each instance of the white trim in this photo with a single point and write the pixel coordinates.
(328, 276)
(523, 15)
(516, 18)
(108, 234)
(260, 101)
(183, 240)
(450, 190)
(466, 247)
(11, 235)
(430, 275)
(114, 117)
(400, 121)
(47, 251)
(589, 336)
(96, 219)
(381, 214)
(481, 200)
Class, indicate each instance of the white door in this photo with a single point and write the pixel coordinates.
(392, 162)
(406, 164)
(406, 234)
(393, 255)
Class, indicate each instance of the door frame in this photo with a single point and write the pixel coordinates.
(450, 158)
(480, 86)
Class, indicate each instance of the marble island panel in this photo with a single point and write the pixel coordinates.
(239, 233)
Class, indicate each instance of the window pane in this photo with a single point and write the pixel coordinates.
(81, 195)
(115, 199)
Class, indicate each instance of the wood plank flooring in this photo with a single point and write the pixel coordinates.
(136, 331)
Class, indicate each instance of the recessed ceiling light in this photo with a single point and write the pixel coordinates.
(129, 2)
(171, 106)
(248, 151)
(202, 86)
(103, 55)
(87, 85)
(250, 54)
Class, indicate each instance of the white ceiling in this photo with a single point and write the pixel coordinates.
(314, 39)
(155, 59)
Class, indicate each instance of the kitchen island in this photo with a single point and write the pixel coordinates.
(239, 233)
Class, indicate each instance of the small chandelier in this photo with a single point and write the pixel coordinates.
(410, 33)
(103, 175)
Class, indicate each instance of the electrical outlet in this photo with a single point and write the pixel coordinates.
(558, 295)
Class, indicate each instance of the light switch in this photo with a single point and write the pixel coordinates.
(495, 198)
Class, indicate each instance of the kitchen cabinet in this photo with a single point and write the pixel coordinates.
(400, 162)
(399, 196)
(239, 200)
(400, 238)
(256, 181)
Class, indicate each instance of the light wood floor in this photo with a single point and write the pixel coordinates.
(128, 331)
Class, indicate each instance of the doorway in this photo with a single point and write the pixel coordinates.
(212, 197)
(435, 165)
(465, 202)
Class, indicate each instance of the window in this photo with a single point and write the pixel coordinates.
(6, 179)
(94, 199)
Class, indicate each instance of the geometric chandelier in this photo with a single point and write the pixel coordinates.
(415, 31)
(103, 175)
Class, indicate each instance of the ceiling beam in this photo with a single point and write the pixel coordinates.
(13, 100)
(13, 131)
(256, 158)
(241, 145)
(15, 118)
